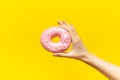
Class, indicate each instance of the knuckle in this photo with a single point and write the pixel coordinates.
(72, 30)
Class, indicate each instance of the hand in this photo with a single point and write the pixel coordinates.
(78, 50)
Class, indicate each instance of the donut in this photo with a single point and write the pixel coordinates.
(62, 45)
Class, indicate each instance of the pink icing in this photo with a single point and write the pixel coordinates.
(47, 35)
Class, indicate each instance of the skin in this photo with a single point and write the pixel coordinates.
(79, 52)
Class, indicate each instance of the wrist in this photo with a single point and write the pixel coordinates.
(87, 57)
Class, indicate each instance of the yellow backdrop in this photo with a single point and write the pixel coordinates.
(22, 22)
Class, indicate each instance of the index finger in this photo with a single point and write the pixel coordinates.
(69, 28)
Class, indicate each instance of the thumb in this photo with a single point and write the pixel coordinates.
(64, 54)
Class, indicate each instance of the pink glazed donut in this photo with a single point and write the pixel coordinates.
(47, 35)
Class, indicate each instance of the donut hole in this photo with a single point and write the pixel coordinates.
(55, 39)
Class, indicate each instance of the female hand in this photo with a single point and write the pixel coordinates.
(78, 49)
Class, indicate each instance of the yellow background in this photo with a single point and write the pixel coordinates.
(22, 22)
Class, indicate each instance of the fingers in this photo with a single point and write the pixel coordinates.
(69, 28)
(61, 54)
(64, 25)
(60, 23)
